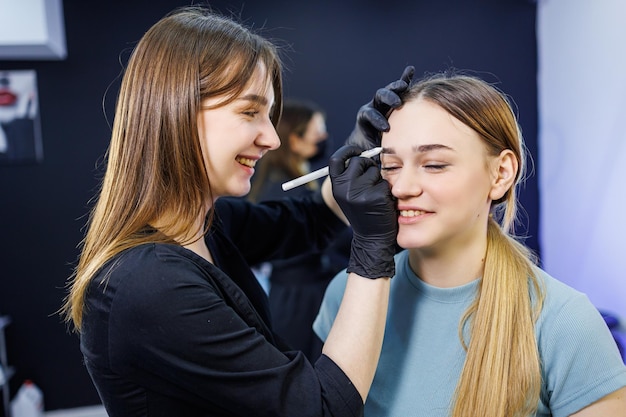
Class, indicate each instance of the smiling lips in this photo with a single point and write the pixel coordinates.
(246, 161)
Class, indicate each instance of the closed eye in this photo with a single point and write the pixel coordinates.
(435, 167)
(251, 113)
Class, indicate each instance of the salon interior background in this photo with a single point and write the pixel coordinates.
(562, 61)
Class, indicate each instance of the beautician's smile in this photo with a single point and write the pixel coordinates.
(249, 162)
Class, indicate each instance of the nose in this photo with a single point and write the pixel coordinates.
(268, 137)
(407, 183)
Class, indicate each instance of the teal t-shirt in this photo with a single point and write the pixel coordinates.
(422, 356)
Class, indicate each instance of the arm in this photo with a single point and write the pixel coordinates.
(184, 330)
(355, 340)
(327, 195)
(364, 199)
(612, 405)
(281, 228)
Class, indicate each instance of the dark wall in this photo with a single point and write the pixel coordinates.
(337, 53)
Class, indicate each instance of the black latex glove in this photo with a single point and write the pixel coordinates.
(365, 198)
(371, 119)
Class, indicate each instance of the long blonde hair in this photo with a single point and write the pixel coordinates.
(501, 376)
(155, 168)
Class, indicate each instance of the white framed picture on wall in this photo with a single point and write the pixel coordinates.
(20, 129)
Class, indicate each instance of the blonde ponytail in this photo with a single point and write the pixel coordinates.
(501, 376)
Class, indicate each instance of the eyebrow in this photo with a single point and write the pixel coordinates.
(421, 148)
(255, 98)
(259, 99)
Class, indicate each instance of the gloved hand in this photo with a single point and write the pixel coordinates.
(365, 198)
(371, 119)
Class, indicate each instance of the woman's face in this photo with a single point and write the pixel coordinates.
(305, 146)
(439, 171)
(235, 136)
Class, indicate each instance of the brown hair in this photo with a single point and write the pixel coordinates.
(501, 376)
(155, 169)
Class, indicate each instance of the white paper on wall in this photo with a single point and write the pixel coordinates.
(582, 146)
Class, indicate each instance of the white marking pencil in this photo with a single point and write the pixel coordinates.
(322, 172)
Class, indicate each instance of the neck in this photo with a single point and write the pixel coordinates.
(191, 238)
(197, 244)
(451, 268)
(200, 248)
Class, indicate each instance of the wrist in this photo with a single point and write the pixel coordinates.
(372, 259)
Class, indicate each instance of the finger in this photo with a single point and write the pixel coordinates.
(401, 85)
(374, 118)
(358, 166)
(386, 98)
(407, 74)
(337, 162)
(367, 186)
(370, 172)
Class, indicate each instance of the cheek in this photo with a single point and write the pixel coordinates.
(480, 183)
(467, 201)
(453, 195)
(460, 193)
(215, 158)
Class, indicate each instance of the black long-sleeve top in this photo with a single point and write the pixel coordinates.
(166, 333)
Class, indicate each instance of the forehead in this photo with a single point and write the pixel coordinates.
(260, 83)
(259, 90)
(423, 121)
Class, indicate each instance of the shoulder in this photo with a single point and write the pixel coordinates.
(152, 270)
(562, 302)
(160, 256)
(580, 360)
(154, 283)
(147, 285)
(566, 312)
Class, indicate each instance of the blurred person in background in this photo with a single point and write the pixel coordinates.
(296, 285)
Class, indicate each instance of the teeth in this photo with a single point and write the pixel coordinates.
(411, 213)
(247, 162)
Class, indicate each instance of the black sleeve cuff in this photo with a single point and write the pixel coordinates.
(341, 397)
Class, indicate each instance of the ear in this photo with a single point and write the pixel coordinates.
(504, 170)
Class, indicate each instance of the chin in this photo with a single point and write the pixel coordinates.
(403, 243)
(242, 191)
(409, 242)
